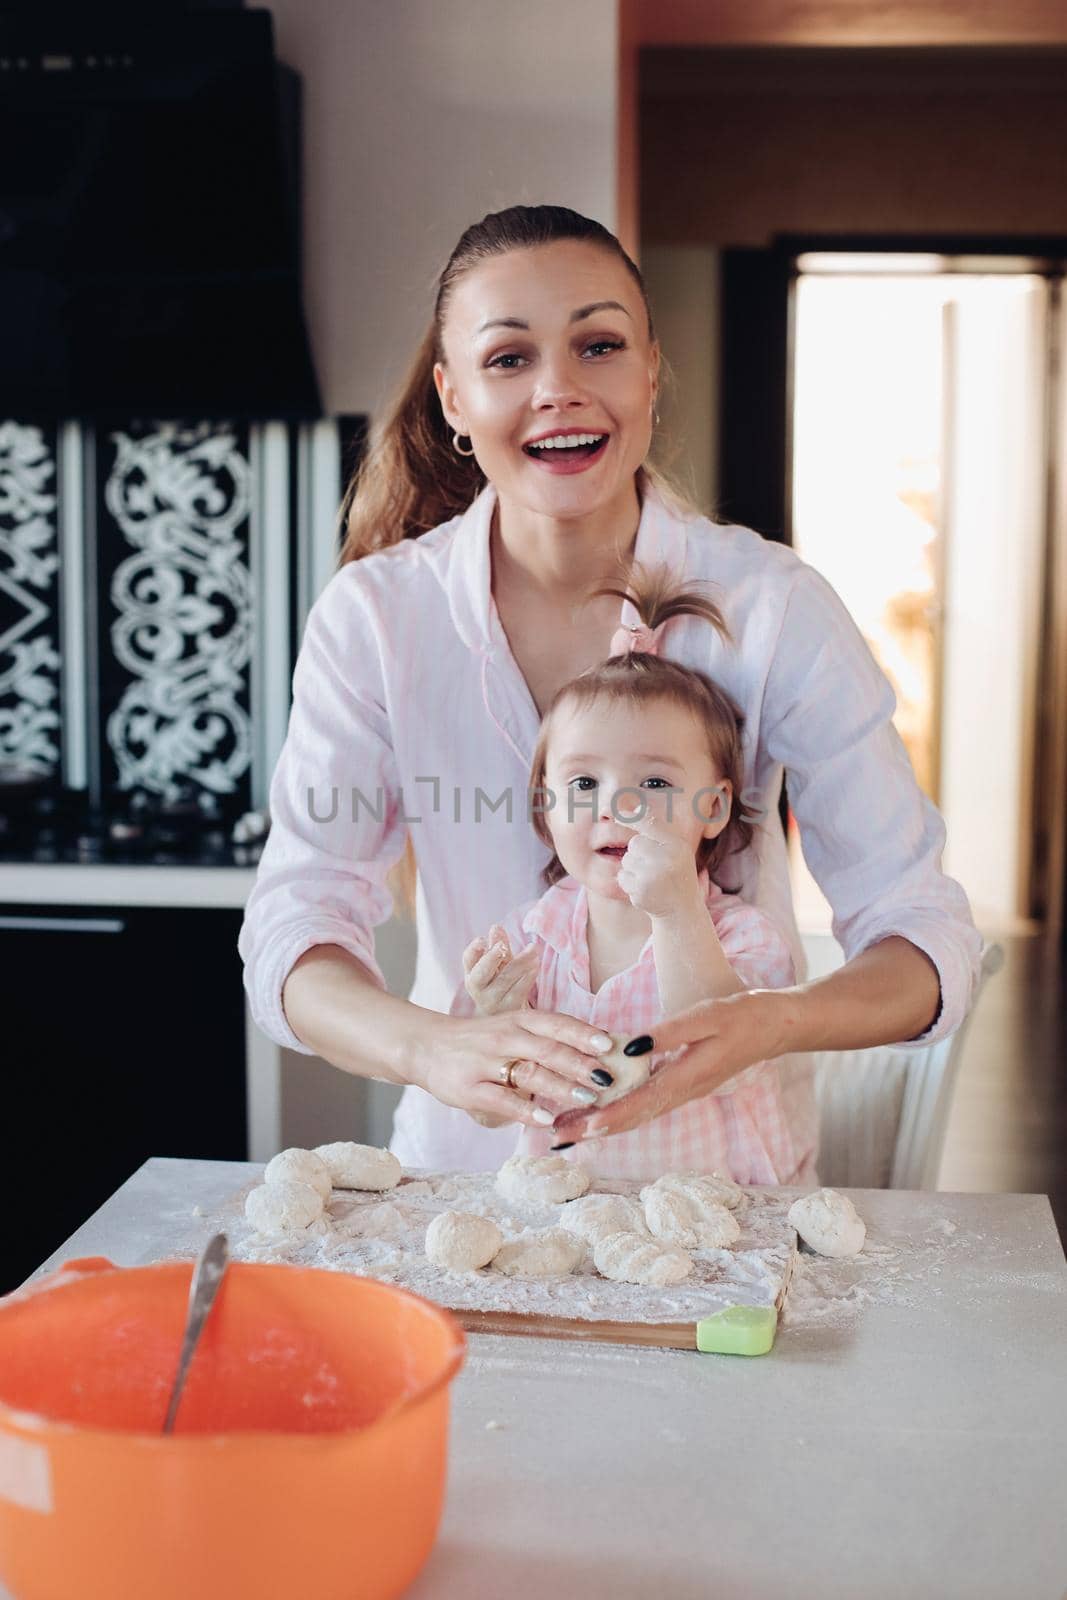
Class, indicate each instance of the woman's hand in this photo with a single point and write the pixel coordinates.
(704, 1047)
(462, 1061)
(496, 980)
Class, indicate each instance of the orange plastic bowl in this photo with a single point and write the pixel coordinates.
(309, 1453)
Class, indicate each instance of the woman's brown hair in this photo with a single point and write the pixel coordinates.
(641, 678)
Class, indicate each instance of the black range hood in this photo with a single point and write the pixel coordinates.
(149, 238)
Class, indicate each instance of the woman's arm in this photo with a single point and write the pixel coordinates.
(339, 1012)
(887, 993)
(337, 825)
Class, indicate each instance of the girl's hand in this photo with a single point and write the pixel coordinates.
(462, 1061)
(496, 980)
(658, 871)
(708, 1044)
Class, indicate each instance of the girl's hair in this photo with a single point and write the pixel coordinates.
(642, 679)
(411, 479)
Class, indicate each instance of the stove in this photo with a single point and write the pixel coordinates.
(134, 828)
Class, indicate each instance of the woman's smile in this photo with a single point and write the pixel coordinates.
(573, 451)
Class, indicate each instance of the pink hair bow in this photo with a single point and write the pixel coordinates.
(635, 640)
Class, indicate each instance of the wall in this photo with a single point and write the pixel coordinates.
(683, 286)
(418, 119)
(739, 145)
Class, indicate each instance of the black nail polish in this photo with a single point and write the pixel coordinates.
(569, 1146)
(598, 1075)
(640, 1046)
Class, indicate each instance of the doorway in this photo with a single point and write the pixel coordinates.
(916, 401)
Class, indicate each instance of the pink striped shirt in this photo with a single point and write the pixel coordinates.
(410, 713)
(740, 1129)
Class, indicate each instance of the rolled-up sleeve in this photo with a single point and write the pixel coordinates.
(337, 818)
(871, 838)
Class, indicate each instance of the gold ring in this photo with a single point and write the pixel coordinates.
(506, 1076)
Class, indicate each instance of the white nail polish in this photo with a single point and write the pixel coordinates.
(545, 1118)
(584, 1097)
(602, 1042)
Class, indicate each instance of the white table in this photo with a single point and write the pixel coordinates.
(907, 1436)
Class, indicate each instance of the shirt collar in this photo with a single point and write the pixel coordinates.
(561, 919)
(661, 541)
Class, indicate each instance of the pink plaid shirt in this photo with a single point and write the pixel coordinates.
(741, 1129)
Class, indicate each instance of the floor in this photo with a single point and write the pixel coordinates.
(1007, 1129)
(1008, 1125)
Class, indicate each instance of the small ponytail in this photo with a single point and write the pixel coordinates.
(640, 678)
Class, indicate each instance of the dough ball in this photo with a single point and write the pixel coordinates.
(829, 1223)
(630, 1258)
(712, 1185)
(360, 1166)
(545, 1180)
(461, 1241)
(594, 1216)
(628, 1072)
(550, 1254)
(687, 1217)
(304, 1166)
(287, 1206)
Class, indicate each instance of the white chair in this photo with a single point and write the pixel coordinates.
(883, 1111)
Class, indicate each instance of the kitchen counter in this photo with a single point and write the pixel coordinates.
(105, 884)
(907, 1435)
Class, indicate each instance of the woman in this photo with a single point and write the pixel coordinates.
(508, 483)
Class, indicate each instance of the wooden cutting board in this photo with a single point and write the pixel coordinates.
(381, 1236)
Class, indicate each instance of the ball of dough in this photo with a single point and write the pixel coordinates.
(545, 1180)
(287, 1206)
(550, 1254)
(629, 1258)
(829, 1223)
(461, 1241)
(628, 1072)
(594, 1216)
(304, 1166)
(360, 1166)
(687, 1217)
(712, 1185)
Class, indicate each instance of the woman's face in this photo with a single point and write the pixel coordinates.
(551, 344)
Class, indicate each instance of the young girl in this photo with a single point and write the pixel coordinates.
(636, 786)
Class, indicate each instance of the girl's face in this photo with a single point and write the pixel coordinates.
(551, 344)
(606, 752)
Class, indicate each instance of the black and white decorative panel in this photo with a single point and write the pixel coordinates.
(175, 610)
(30, 728)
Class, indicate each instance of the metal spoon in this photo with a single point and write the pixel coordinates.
(207, 1276)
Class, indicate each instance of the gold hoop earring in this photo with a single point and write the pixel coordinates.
(455, 444)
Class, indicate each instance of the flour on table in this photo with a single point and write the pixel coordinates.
(382, 1236)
